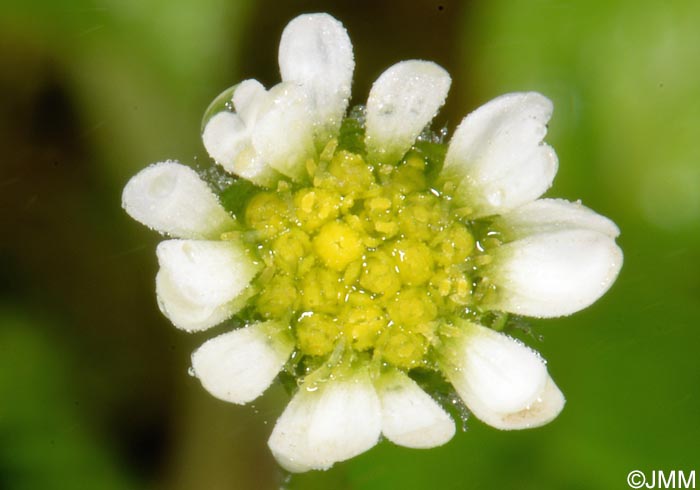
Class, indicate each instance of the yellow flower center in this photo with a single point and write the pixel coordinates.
(363, 257)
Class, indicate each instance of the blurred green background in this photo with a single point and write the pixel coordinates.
(93, 380)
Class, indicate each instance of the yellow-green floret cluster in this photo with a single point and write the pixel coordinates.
(363, 257)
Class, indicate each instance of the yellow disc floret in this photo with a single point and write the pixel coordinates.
(422, 216)
(364, 260)
(350, 173)
(322, 290)
(289, 248)
(317, 334)
(337, 245)
(362, 320)
(267, 214)
(410, 177)
(412, 306)
(403, 349)
(414, 261)
(278, 297)
(380, 274)
(453, 245)
(315, 206)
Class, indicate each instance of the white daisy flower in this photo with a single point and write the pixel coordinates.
(361, 252)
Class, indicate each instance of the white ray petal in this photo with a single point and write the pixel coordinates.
(239, 366)
(551, 215)
(228, 141)
(189, 315)
(496, 158)
(224, 137)
(491, 370)
(283, 133)
(202, 276)
(171, 198)
(548, 404)
(410, 417)
(247, 98)
(338, 421)
(401, 103)
(553, 273)
(315, 51)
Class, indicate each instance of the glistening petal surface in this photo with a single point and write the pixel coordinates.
(187, 314)
(410, 417)
(554, 273)
(401, 103)
(315, 51)
(282, 135)
(546, 407)
(202, 276)
(496, 159)
(552, 215)
(239, 366)
(171, 198)
(337, 421)
(225, 136)
(228, 136)
(247, 99)
(492, 372)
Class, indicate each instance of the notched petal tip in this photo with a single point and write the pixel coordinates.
(172, 199)
(402, 102)
(239, 366)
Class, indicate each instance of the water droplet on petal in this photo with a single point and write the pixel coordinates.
(222, 102)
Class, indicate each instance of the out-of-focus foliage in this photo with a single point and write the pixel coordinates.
(95, 393)
(140, 71)
(624, 76)
(45, 437)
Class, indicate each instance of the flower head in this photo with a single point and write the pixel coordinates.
(359, 251)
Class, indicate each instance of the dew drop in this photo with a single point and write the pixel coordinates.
(222, 102)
